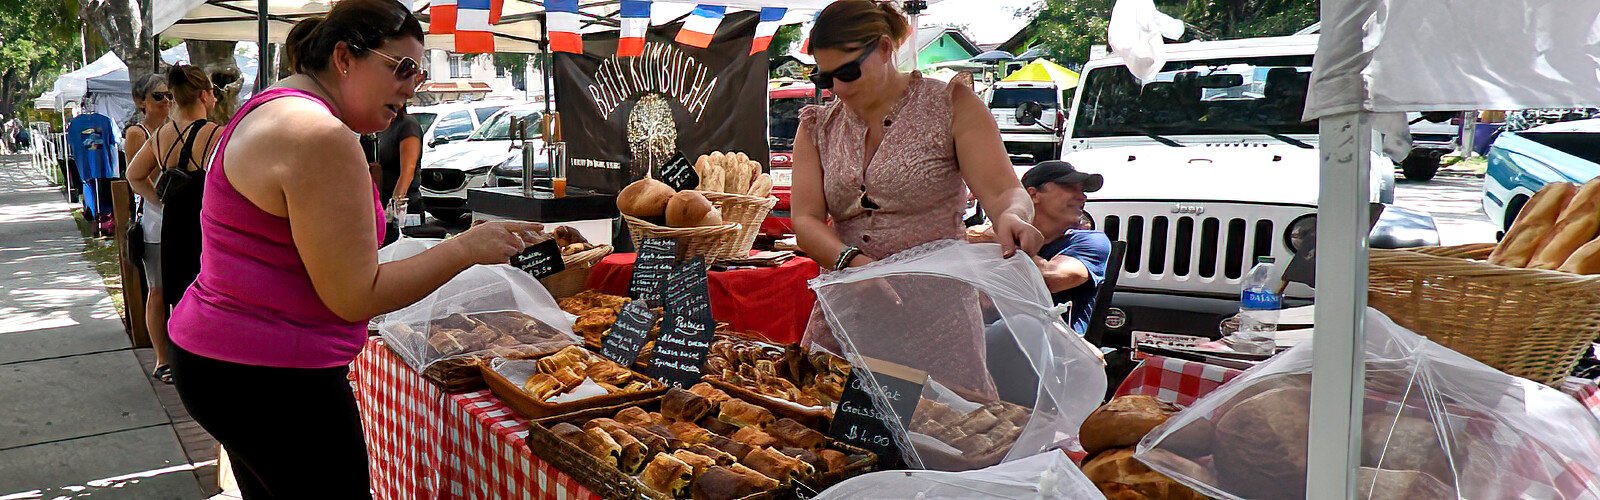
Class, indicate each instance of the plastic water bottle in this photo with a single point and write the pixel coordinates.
(1258, 309)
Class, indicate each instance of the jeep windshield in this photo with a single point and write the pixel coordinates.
(1012, 97)
(1238, 96)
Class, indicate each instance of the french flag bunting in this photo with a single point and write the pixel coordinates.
(805, 46)
(635, 21)
(473, 21)
(442, 17)
(701, 26)
(564, 25)
(771, 19)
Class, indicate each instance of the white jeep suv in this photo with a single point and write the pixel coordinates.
(1207, 166)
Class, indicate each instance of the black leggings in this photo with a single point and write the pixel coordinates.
(289, 432)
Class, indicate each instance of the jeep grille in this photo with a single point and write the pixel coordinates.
(1197, 253)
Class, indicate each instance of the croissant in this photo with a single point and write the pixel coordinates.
(685, 406)
(835, 460)
(601, 445)
(714, 395)
(542, 386)
(568, 377)
(667, 476)
(776, 465)
(730, 482)
(690, 433)
(755, 438)
(733, 448)
(699, 462)
(797, 435)
(721, 457)
(606, 372)
(744, 414)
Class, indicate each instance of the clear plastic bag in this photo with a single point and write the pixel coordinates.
(403, 248)
(1006, 378)
(494, 311)
(1436, 424)
(1046, 475)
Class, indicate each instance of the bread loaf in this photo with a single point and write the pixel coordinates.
(1577, 225)
(1117, 469)
(761, 186)
(715, 180)
(1122, 422)
(1261, 444)
(738, 179)
(691, 209)
(1401, 485)
(1586, 260)
(645, 198)
(1533, 225)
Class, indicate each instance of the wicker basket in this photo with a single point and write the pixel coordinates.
(1526, 322)
(748, 211)
(570, 281)
(713, 242)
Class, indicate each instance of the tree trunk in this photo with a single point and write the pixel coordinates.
(8, 86)
(216, 59)
(119, 22)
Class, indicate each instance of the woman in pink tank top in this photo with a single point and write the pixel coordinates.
(289, 275)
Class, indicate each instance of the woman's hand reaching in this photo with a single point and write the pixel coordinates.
(496, 242)
(1013, 233)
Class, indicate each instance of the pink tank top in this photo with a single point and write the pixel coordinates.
(253, 302)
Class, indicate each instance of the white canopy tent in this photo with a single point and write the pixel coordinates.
(1391, 56)
(104, 82)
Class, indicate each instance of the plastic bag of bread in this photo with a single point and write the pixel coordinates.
(1436, 424)
(1005, 377)
(485, 312)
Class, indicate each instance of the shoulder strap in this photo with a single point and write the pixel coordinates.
(186, 156)
(161, 163)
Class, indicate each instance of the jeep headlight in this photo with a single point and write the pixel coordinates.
(1301, 231)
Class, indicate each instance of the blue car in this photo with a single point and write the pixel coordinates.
(1520, 163)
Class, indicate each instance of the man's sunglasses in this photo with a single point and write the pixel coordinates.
(847, 72)
(160, 96)
(405, 68)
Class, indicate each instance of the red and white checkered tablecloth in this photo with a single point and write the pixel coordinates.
(425, 444)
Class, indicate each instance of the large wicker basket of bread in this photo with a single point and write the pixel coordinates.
(1528, 306)
(718, 220)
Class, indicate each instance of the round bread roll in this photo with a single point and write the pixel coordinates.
(1117, 471)
(646, 198)
(1403, 443)
(691, 209)
(1122, 422)
(1261, 444)
(1402, 485)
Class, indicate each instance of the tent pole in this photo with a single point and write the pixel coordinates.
(263, 60)
(1338, 367)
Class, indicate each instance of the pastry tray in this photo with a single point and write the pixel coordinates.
(527, 406)
(608, 482)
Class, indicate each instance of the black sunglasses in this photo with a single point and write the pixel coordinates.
(160, 96)
(405, 68)
(847, 72)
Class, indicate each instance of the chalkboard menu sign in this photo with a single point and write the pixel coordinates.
(540, 260)
(857, 421)
(679, 173)
(654, 262)
(687, 331)
(629, 334)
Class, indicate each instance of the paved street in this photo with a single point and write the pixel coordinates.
(81, 416)
(1454, 201)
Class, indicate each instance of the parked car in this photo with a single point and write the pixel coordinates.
(1520, 163)
(450, 122)
(464, 165)
(1208, 166)
(783, 119)
(1040, 139)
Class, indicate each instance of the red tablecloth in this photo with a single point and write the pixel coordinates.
(425, 444)
(772, 301)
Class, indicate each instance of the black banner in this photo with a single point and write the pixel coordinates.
(614, 110)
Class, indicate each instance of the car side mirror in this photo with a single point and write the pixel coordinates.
(1029, 112)
(437, 141)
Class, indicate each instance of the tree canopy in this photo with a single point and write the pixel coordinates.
(1068, 28)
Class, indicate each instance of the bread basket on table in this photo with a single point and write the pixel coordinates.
(570, 281)
(712, 242)
(745, 210)
(1529, 323)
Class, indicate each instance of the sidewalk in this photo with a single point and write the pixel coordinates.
(79, 415)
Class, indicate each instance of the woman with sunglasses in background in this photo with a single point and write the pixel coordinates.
(165, 173)
(154, 101)
(890, 163)
(262, 343)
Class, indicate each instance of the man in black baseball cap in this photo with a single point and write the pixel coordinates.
(1073, 259)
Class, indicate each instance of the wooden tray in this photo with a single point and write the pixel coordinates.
(522, 403)
(816, 418)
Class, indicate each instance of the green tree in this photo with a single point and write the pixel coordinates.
(37, 41)
(1068, 28)
(783, 41)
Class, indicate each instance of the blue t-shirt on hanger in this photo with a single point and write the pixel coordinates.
(93, 140)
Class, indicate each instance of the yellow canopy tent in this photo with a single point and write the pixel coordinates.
(1041, 70)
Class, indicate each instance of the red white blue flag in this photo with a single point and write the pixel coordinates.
(635, 22)
(771, 19)
(473, 20)
(805, 46)
(564, 23)
(442, 17)
(701, 25)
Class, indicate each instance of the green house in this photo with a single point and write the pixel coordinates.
(940, 44)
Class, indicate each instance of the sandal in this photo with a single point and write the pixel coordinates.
(163, 373)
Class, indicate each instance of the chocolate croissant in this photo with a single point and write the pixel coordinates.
(699, 462)
(633, 451)
(569, 433)
(730, 482)
(601, 445)
(797, 435)
(744, 414)
(721, 457)
(834, 460)
(811, 458)
(634, 415)
(733, 448)
(689, 433)
(667, 476)
(684, 406)
(776, 465)
(714, 395)
(754, 438)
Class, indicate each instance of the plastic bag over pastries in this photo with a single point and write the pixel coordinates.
(1006, 378)
(1436, 424)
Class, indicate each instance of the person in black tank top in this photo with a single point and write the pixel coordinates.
(181, 185)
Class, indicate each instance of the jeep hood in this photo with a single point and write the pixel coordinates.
(1256, 174)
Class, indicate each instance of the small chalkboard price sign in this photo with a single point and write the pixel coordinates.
(679, 173)
(655, 260)
(629, 334)
(688, 329)
(858, 421)
(540, 260)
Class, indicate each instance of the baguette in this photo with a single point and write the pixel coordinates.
(1532, 228)
(715, 179)
(761, 186)
(1577, 225)
(1586, 260)
(738, 180)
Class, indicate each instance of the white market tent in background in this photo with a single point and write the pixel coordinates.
(1391, 56)
(104, 82)
(244, 57)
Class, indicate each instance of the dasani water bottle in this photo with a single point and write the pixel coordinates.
(1258, 309)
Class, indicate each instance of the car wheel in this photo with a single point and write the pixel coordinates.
(449, 216)
(1513, 209)
(1420, 168)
